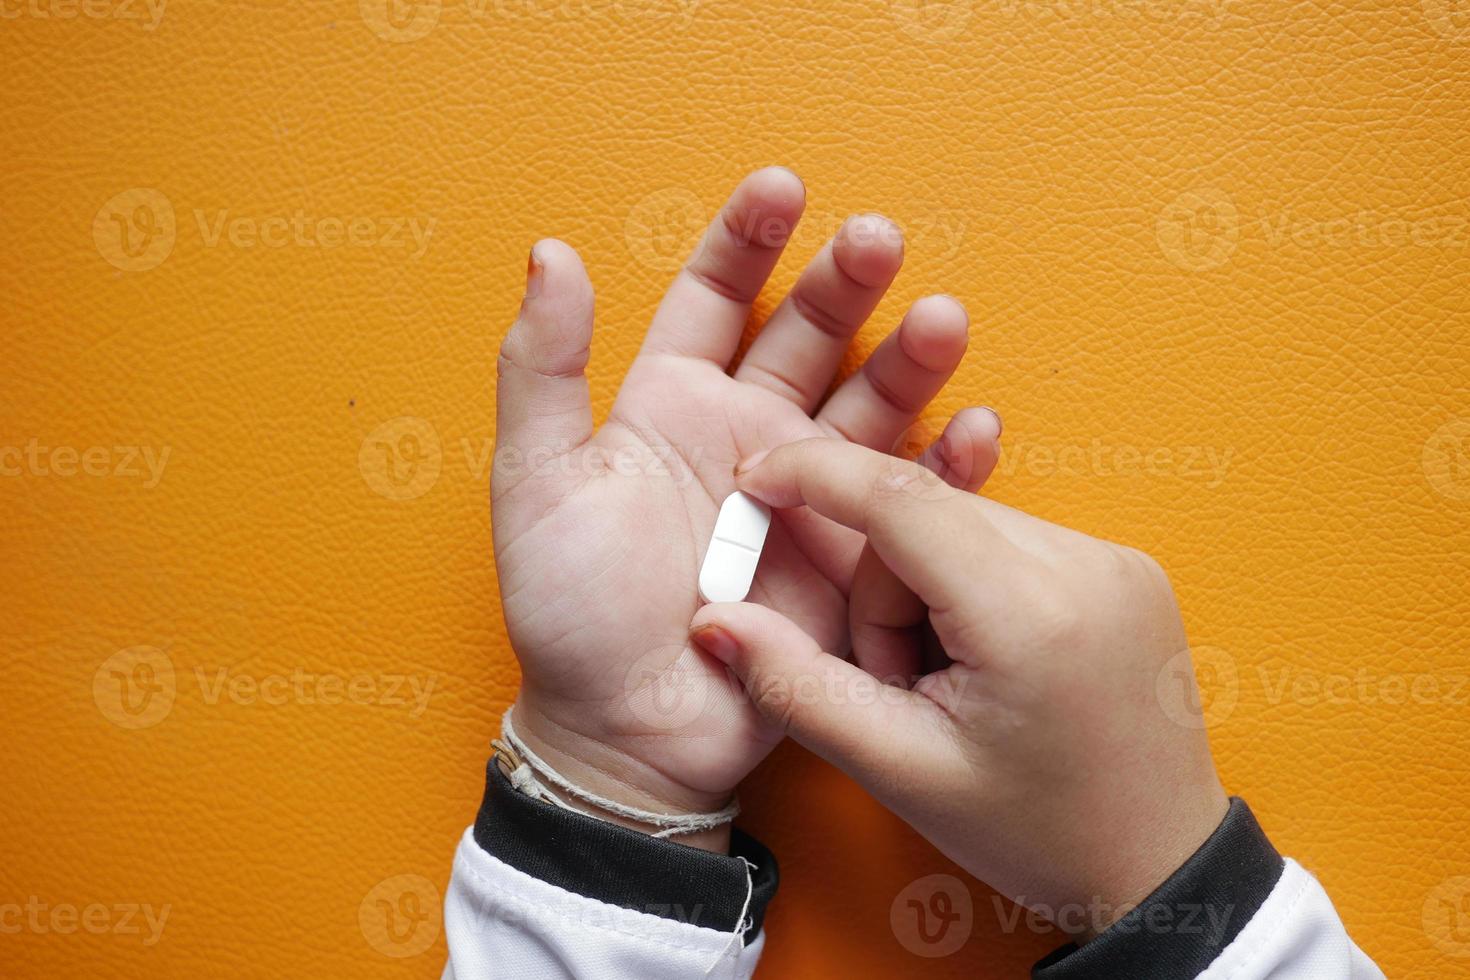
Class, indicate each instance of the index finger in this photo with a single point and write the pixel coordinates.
(931, 535)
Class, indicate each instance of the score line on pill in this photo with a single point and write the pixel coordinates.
(734, 549)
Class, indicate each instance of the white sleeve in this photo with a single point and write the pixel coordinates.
(542, 893)
(502, 923)
(1295, 935)
(1236, 910)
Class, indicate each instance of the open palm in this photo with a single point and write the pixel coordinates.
(599, 536)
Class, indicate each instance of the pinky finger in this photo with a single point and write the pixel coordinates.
(966, 452)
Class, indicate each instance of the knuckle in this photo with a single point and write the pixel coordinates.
(1058, 619)
(552, 361)
(1149, 565)
(1141, 569)
(1052, 605)
(803, 454)
(505, 360)
(897, 481)
(774, 701)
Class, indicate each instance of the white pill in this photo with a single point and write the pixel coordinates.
(734, 549)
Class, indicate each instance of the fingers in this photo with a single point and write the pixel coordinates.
(934, 537)
(799, 349)
(874, 406)
(884, 614)
(541, 398)
(832, 707)
(963, 456)
(966, 452)
(855, 486)
(883, 619)
(705, 310)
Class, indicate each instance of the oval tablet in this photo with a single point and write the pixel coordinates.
(734, 549)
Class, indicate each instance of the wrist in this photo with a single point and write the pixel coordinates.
(1157, 849)
(597, 765)
(1188, 921)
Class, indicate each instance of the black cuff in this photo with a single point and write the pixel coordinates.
(1177, 932)
(618, 866)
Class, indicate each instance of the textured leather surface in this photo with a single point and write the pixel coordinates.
(1218, 261)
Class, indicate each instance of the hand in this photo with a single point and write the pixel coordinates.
(1034, 750)
(599, 536)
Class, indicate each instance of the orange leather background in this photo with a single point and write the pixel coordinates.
(1182, 229)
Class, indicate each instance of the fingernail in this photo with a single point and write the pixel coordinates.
(534, 268)
(716, 642)
(999, 425)
(751, 462)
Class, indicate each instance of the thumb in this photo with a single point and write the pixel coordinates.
(837, 710)
(542, 403)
